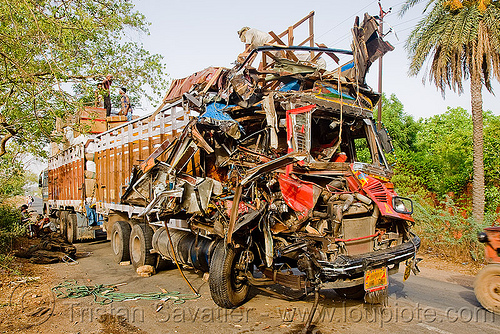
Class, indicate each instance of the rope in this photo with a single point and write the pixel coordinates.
(177, 263)
(106, 294)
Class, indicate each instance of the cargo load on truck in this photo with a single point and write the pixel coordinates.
(276, 168)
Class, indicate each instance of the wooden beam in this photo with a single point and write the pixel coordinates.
(308, 39)
(311, 34)
(316, 57)
(298, 23)
(290, 36)
(276, 39)
(331, 55)
(289, 53)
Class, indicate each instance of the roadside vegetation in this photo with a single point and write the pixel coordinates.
(432, 161)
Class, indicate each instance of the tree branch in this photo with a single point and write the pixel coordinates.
(3, 142)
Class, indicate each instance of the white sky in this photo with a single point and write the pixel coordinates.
(193, 35)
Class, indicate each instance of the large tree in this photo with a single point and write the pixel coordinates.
(54, 51)
(461, 40)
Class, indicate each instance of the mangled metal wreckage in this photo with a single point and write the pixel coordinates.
(282, 173)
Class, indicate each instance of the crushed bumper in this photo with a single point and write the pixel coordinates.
(354, 266)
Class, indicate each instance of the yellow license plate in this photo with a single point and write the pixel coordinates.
(376, 279)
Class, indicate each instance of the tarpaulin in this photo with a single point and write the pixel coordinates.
(215, 116)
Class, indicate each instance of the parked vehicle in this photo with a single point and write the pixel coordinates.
(487, 283)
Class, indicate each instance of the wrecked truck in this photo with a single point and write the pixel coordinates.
(259, 176)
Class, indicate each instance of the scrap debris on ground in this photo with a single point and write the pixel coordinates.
(50, 248)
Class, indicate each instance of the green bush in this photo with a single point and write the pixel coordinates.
(10, 227)
(450, 230)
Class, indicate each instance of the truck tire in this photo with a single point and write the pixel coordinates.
(62, 221)
(352, 292)
(71, 228)
(120, 237)
(225, 289)
(487, 287)
(140, 246)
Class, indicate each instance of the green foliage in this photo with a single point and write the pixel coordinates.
(362, 151)
(433, 158)
(434, 155)
(446, 140)
(50, 47)
(10, 227)
(491, 149)
(13, 177)
(401, 126)
(448, 226)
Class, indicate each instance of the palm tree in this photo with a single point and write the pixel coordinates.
(460, 40)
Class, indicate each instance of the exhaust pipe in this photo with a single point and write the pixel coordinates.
(187, 249)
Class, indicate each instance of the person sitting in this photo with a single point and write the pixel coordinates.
(252, 38)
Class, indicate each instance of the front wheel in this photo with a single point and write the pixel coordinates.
(227, 287)
(487, 287)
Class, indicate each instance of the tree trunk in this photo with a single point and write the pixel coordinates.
(477, 139)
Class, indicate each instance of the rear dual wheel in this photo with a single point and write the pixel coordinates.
(120, 235)
(68, 225)
(72, 228)
(140, 246)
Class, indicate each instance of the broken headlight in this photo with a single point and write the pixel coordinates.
(402, 205)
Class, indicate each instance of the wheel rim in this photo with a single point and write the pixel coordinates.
(493, 288)
(136, 249)
(237, 284)
(116, 242)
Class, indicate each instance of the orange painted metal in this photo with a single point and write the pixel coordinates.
(493, 245)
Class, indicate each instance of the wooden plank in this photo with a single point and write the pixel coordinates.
(97, 159)
(214, 77)
(107, 185)
(290, 36)
(311, 34)
(298, 23)
(116, 176)
(276, 39)
(308, 39)
(313, 60)
(331, 55)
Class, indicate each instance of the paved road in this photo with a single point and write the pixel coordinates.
(421, 305)
(38, 205)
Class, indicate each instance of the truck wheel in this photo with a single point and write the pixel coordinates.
(71, 228)
(226, 289)
(62, 221)
(352, 292)
(140, 246)
(120, 237)
(487, 287)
